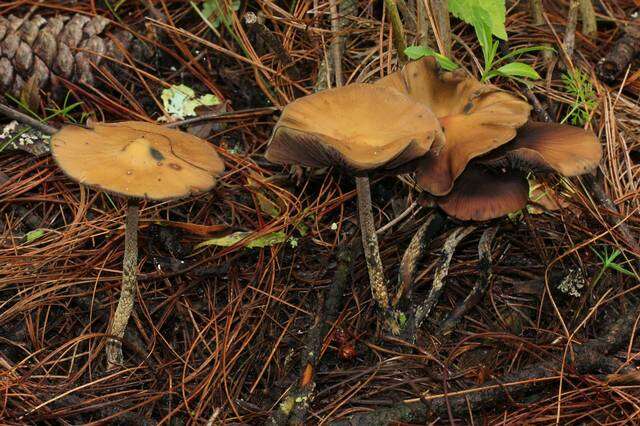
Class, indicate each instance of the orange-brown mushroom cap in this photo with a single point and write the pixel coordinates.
(548, 147)
(482, 194)
(476, 118)
(358, 127)
(137, 159)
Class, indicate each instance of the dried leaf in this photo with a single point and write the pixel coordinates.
(267, 240)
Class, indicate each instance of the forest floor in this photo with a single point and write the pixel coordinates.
(220, 334)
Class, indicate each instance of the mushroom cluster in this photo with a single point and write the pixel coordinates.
(468, 143)
(489, 143)
(135, 160)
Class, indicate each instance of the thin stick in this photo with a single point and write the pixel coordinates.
(569, 41)
(336, 52)
(413, 254)
(398, 219)
(441, 273)
(588, 16)
(129, 286)
(423, 24)
(440, 9)
(537, 13)
(24, 118)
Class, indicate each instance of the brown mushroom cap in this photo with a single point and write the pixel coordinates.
(476, 118)
(483, 194)
(548, 147)
(137, 159)
(359, 127)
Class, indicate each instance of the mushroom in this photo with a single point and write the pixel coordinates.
(480, 122)
(135, 160)
(359, 128)
(493, 185)
(478, 175)
(481, 194)
(550, 147)
(476, 118)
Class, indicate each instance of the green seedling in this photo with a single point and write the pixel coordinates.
(609, 262)
(64, 112)
(577, 84)
(487, 18)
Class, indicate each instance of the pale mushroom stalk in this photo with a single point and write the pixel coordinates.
(129, 285)
(370, 243)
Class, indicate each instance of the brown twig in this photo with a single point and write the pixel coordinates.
(25, 119)
(399, 40)
(569, 41)
(621, 54)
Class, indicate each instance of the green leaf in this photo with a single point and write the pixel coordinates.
(267, 240)
(518, 69)
(523, 50)
(34, 235)
(486, 42)
(417, 52)
(493, 14)
(622, 269)
(180, 101)
(217, 11)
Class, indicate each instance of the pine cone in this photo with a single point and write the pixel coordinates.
(36, 51)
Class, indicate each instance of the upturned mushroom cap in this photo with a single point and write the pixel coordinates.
(476, 118)
(358, 127)
(137, 159)
(482, 194)
(550, 147)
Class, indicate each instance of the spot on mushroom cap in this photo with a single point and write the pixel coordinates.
(358, 127)
(548, 147)
(476, 118)
(137, 159)
(481, 194)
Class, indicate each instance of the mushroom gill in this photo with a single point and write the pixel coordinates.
(359, 128)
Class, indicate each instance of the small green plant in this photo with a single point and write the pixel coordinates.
(577, 84)
(487, 18)
(218, 12)
(65, 111)
(609, 262)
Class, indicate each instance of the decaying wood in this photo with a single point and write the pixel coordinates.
(482, 284)
(623, 52)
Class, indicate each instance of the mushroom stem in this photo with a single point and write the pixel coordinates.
(129, 286)
(370, 244)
